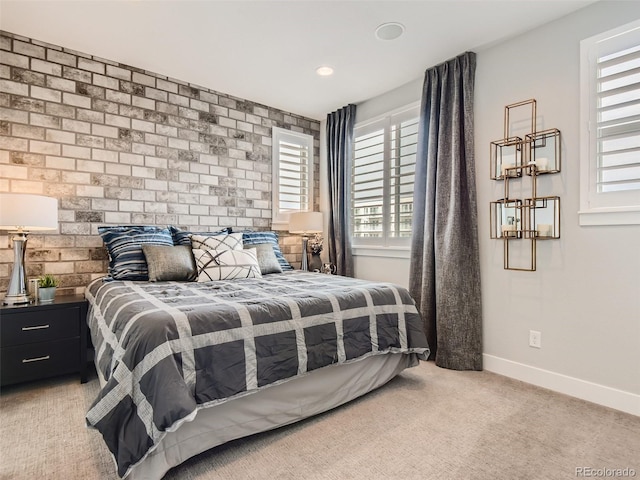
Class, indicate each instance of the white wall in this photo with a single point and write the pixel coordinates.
(585, 296)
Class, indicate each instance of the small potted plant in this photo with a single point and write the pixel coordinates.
(47, 288)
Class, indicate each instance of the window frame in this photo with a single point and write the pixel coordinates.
(377, 246)
(280, 218)
(610, 208)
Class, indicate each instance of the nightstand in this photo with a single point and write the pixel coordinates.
(43, 340)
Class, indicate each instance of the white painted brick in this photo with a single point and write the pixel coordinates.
(178, 100)
(165, 85)
(142, 102)
(15, 116)
(208, 180)
(143, 149)
(144, 172)
(24, 186)
(144, 195)
(90, 191)
(118, 72)
(59, 136)
(91, 65)
(245, 127)
(188, 220)
(220, 171)
(143, 126)
(199, 168)
(154, 207)
(227, 122)
(155, 94)
(61, 84)
(5, 71)
(118, 169)
(15, 88)
(144, 79)
(188, 177)
(120, 218)
(118, 97)
(117, 120)
(76, 126)
(208, 97)
(15, 60)
(60, 162)
(76, 177)
(179, 144)
(13, 171)
(46, 148)
(90, 116)
(131, 158)
(237, 115)
(155, 139)
(198, 209)
(166, 130)
(60, 57)
(242, 183)
(198, 105)
(58, 268)
(237, 154)
(102, 204)
(76, 152)
(104, 131)
(107, 82)
(90, 166)
(76, 100)
(155, 185)
(46, 94)
(130, 206)
(104, 155)
(155, 162)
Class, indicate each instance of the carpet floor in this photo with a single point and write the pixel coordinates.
(427, 423)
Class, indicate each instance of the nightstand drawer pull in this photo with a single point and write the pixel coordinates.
(37, 359)
(37, 327)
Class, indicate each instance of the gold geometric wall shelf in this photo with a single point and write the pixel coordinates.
(531, 219)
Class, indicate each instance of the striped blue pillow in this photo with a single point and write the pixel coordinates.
(255, 238)
(124, 244)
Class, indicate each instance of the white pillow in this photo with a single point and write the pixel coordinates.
(233, 241)
(226, 264)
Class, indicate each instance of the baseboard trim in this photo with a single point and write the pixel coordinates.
(592, 392)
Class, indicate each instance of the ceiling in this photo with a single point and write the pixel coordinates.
(267, 51)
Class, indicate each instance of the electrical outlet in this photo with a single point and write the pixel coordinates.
(535, 339)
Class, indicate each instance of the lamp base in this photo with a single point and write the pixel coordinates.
(305, 263)
(17, 292)
(16, 299)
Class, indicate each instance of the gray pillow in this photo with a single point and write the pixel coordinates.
(266, 258)
(170, 263)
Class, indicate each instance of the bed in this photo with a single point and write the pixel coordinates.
(186, 366)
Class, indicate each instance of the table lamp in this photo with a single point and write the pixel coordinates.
(21, 213)
(305, 223)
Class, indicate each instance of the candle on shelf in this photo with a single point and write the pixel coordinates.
(508, 230)
(542, 164)
(511, 173)
(545, 230)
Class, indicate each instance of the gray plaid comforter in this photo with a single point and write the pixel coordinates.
(167, 349)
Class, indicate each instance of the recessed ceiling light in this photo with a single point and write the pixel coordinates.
(324, 71)
(389, 31)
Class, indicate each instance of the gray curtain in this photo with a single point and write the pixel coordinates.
(339, 152)
(445, 271)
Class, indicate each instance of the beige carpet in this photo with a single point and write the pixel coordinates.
(429, 423)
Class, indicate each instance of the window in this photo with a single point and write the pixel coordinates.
(610, 114)
(292, 174)
(383, 174)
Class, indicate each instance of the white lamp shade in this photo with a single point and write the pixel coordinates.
(29, 212)
(305, 222)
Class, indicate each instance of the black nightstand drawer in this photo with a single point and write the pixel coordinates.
(39, 360)
(34, 326)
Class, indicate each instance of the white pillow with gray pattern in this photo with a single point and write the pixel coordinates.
(215, 265)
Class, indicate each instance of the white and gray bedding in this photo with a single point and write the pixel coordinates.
(167, 349)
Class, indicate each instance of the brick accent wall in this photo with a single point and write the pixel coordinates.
(117, 145)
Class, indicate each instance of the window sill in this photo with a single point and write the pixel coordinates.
(375, 251)
(610, 216)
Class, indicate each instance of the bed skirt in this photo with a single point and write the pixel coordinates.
(273, 407)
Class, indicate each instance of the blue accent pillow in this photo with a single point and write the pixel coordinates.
(256, 238)
(181, 237)
(124, 244)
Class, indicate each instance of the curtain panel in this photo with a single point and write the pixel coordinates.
(340, 152)
(445, 265)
